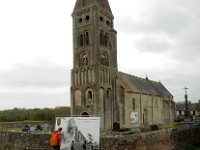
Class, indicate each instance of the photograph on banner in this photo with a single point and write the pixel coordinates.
(79, 133)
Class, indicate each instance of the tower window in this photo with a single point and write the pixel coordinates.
(86, 38)
(107, 22)
(87, 18)
(108, 94)
(104, 59)
(106, 39)
(83, 60)
(101, 38)
(81, 40)
(89, 94)
(101, 19)
(80, 20)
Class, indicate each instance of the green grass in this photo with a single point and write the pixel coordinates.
(171, 125)
(14, 129)
(135, 131)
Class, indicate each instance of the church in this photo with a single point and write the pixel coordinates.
(98, 88)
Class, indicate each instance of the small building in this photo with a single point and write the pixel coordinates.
(192, 107)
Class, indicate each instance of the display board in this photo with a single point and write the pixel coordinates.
(81, 133)
(134, 117)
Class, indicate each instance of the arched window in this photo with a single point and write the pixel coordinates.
(86, 38)
(101, 38)
(81, 40)
(101, 18)
(104, 59)
(106, 40)
(80, 20)
(89, 94)
(107, 22)
(78, 41)
(83, 60)
(108, 94)
(133, 103)
(87, 18)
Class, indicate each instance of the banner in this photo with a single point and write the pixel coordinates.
(134, 117)
(79, 133)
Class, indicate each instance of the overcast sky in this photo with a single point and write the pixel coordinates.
(157, 38)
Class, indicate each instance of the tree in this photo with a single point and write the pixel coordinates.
(36, 114)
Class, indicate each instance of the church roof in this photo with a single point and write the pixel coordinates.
(82, 4)
(133, 83)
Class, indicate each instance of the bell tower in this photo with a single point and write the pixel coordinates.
(94, 72)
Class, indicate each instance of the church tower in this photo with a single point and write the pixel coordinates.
(94, 72)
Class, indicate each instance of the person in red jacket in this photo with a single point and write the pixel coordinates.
(56, 138)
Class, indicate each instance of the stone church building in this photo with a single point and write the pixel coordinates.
(97, 87)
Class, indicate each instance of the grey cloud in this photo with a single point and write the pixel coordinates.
(186, 48)
(176, 17)
(168, 22)
(171, 26)
(190, 44)
(40, 74)
(167, 17)
(186, 6)
(152, 44)
(40, 84)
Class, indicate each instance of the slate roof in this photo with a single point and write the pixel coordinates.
(133, 83)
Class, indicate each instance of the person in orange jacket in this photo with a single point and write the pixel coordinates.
(56, 138)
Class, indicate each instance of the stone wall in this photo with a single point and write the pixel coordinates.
(170, 139)
(24, 141)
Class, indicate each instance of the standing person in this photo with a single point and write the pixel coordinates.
(56, 138)
(72, 145)
(84, 145)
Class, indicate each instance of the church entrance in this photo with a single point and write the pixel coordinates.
(145, 116)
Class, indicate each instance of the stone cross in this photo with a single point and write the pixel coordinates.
(187, 112)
